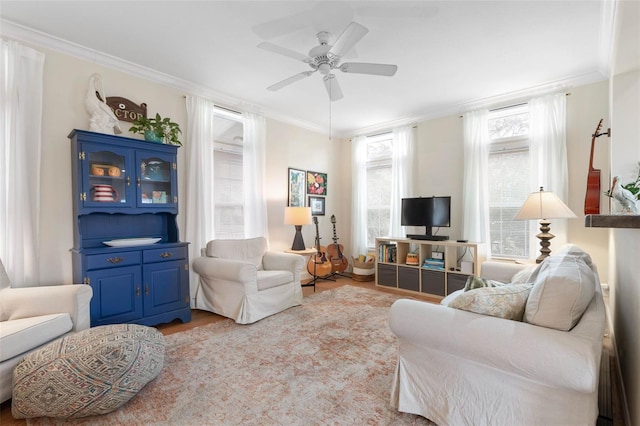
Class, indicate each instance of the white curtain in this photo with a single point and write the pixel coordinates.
(548, 158)
(402, 170)
(199, 205)
(253, 171)
(475, 199)
(21, 80)
(359, 195)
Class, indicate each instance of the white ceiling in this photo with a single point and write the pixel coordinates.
(451, 55)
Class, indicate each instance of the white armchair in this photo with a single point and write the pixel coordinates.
(242, 280)
(31, 317)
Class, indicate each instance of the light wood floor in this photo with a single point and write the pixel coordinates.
(199, 318)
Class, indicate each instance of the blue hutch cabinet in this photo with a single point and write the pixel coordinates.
(126, 242)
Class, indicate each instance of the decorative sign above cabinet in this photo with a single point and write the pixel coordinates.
(125, 109)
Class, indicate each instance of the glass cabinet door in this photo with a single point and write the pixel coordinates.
(156, 180)
(108, 179)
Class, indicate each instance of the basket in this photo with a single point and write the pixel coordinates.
(363, 271)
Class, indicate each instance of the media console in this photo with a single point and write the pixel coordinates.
(439, 271)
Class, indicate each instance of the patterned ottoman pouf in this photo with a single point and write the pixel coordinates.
(91, 372)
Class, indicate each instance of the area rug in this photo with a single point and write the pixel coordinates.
(329, 361)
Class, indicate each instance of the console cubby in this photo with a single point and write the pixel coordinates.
(444, 266)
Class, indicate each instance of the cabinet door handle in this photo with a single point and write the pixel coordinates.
(146, 289)
(165, 254)
(138, 291)
(138, 182)
(115, 260)
(128, 181)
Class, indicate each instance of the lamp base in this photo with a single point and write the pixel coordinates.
(298, 242)
(545, 240)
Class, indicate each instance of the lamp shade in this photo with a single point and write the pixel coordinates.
(544, 205)
(297, 215)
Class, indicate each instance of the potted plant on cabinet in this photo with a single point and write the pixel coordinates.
(157, 129)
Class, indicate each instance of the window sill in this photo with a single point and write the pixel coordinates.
(612, 221)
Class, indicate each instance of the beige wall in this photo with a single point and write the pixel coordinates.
(65, 84)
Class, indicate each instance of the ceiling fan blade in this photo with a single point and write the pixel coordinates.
(374, 69)
(349, 37)
(332, 86)
(290, 80)
(283, 51)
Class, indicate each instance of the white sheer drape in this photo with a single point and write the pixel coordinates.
(253, 171)
(402, 171)
(199, 205)
(548, 158)
(475, 199)
(359, 195)
(21, 80)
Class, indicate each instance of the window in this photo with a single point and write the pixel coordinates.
(378, 186)
(227, 179)
(508, 181)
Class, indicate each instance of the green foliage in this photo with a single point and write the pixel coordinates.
(162, 127)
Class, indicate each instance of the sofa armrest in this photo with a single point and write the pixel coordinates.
(225, 269)
(552, 357)
(25, 302)
(276, 261)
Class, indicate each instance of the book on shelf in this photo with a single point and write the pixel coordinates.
(433, 264)
(387, 252)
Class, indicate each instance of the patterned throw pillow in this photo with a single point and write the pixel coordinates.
(91, 372)
(505, 301)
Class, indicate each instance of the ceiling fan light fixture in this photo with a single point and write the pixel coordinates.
(324, 68)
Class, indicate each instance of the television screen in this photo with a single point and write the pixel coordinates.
(428, 212)
(440, 211)
(414, 211)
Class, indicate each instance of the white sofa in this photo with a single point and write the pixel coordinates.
(457, 367)
(31, 317)
(242, 280)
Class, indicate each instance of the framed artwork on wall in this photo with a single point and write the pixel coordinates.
(317, 205)
(296, 183)
(316, 183)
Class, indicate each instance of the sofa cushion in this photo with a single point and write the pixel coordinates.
(21, 335)
(91, 372)
(250, 250)
(505, 301)
(563, 287)
(270, 279)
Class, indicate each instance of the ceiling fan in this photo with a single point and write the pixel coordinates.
(325, 58)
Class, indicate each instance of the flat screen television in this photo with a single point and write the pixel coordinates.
(428, 212)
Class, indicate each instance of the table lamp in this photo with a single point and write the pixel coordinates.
(297, 216)
(544, 205)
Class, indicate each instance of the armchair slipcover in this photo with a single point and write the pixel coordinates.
(242, 280)
(31, 317)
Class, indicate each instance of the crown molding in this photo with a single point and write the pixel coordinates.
(489, 102)
(37, 38)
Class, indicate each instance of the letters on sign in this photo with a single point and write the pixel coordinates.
(126, 110)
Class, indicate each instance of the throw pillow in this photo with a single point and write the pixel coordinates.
(474, 282)
(524, 276)
(574, 250)
(505, 301)
(562, 290)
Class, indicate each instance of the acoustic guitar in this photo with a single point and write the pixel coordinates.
(334, 252)
(318, 265)
(592, 197)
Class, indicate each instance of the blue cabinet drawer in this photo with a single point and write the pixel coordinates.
(164, 254)
(113, 260)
